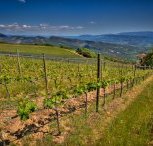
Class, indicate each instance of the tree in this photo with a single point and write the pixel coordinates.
(86, 52)
(148, 59)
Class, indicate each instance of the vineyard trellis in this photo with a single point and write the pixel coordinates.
(103, 77)
(24, 79)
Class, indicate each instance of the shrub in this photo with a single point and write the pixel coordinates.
(26, 107)
(86, 52)
(148, 59)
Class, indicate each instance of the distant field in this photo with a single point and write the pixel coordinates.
(36, 49)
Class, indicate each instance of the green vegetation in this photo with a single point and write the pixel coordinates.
(25, 107)
(86, 52)
(148, 59)
(55, 100)
(118, 59)
(134, 126)
(26, 76)
(54, 82)
(39, 49)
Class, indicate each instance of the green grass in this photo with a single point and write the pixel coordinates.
(133, 126)
(36, 49)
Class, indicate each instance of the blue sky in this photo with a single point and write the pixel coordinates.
(74, 17)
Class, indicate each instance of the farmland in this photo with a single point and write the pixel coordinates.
(76, 73)
(44, 88)
(27, 76)
(38, 49)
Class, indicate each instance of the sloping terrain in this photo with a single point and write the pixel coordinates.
(134, 126)
(38, 49)
(137, 39)
(108, 49)
(125, 121)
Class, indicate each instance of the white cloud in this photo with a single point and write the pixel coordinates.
(26, 26)
(14, 25)
(79, 27)
(2, 26)
(92, 22)
(23, 1)
(65, 27)
(41, 28)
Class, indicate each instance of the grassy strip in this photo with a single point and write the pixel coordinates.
(133, 126)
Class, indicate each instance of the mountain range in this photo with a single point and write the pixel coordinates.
(122, 45)
(138, 39)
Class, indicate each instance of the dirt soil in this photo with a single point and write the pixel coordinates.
(13, 130)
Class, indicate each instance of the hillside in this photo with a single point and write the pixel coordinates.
(38, 49)
(139, 33)
(138, 39)
(2, 35)
(109, 49)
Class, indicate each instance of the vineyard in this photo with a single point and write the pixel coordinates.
(42, 90)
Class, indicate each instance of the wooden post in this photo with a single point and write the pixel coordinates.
(45, 74)
(18, 61)
(68, 61)
(57, 120)
(127, 84)
(98, 80)
(121, 92)
(101, 70)
(134, 74)
(104, 96)
(104, 65)
(7, 91)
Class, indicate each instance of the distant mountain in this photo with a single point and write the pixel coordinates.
(140, 33)
(2, 35)
(137, 39)
(110, 49)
